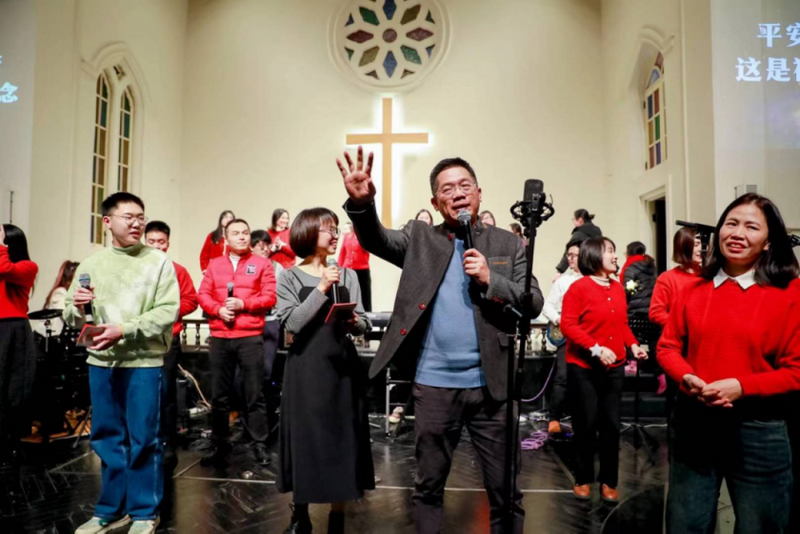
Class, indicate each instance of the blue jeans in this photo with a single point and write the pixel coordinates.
(126, 414)
(708, 445)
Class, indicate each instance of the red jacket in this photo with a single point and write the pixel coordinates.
(285, 256)
(351, 255)
(752, 335)
(211, 251)
(668, 286)
(254, 283)
(591, 315)
(16, 281)
(188, 297)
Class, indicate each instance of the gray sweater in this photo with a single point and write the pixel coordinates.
(295, 315)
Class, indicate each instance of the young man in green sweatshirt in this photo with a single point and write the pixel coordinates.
(134, 295)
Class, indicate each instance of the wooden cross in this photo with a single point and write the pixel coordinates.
(386, 138)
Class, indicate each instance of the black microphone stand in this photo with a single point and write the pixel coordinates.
(530, 213)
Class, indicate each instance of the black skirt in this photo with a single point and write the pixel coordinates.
(324, 447)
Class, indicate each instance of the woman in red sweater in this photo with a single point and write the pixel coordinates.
(594, 319)
(352, 256)
(280, 250)
(733, 344)
(17, 352)
(215, 245)
(687, 253)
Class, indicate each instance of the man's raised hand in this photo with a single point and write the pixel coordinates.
(357, 178)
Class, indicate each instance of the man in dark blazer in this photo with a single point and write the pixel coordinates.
(449, 321)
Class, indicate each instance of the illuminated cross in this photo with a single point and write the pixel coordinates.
(387, 138)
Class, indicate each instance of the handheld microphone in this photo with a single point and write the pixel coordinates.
(335, 286)
(86, 283)
(465, 220)
(230, 290)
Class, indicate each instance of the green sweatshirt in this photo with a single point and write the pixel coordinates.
(136, 288)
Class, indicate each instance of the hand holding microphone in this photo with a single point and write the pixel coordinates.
(330, 279)
(84, 295)
(474, 262)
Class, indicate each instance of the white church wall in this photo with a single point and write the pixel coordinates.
(74, 40)
(519, 95)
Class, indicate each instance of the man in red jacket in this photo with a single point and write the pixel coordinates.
(156, 235)
(236, 293)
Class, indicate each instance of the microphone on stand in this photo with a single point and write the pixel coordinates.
(86, 283)
(465, 220)
(334, 286)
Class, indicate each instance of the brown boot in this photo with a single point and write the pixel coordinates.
(582, 492)
(609, 494)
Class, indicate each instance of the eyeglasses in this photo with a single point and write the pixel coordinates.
(466, 187)
(130, 219)
(572, 256)
(334, 232)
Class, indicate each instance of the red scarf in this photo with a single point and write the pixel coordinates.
(628, 262)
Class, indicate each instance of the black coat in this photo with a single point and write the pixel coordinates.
(423, 252)
(579, 235)
(643, 272)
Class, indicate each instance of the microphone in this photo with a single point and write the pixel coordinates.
(533, 209)
(230, 290)
(86, 283)
(335, 286)
(465, 220)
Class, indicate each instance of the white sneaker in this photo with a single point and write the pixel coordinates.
(145, 527)
(97, 525)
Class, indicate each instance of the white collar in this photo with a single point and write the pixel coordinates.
(745, 281)
(603, 282)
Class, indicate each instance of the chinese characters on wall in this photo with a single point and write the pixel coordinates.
(775, 69)
(7, 90)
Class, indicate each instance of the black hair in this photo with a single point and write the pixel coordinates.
(242, 221)
(583, 214)
(305, 230)
(216, 235)
(448, 164)
(157, 226)
(259, 236)
(777, 265)
(590, 260)
(112, 201)
(420, 212)
(17, 243)
(277, 214)
(636, 248)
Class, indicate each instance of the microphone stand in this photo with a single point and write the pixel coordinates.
(530, 213)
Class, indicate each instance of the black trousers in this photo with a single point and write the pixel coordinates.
(596, 396)
(441, 414)
(225, 355)
(169, 398)
(558, 395)
(17, 374)
(365, 283)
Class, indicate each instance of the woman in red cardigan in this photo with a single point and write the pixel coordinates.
(594, 319)
(687, 253)
(215, 245)
(280, 250)
(17, 352)
(733, 344)
(352, 256)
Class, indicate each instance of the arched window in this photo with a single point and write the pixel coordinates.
(100, 160)
(113, 143)
(655, 123)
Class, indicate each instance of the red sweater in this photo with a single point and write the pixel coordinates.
(16, 281)
(254, 283)
(591, 315)
(211, 251)
(188, 297)
(668, 286)
(351, 255)
(285, 256)
(727, 332)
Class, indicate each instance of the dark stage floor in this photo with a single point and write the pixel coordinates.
(55, 491)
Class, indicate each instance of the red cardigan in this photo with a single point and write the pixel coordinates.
(668, 286)
(16, 281)
(285, 256)
(591, 315)
(752, 335)
(254, 283)
(351, 255)
(188, 297)
(211, 251)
